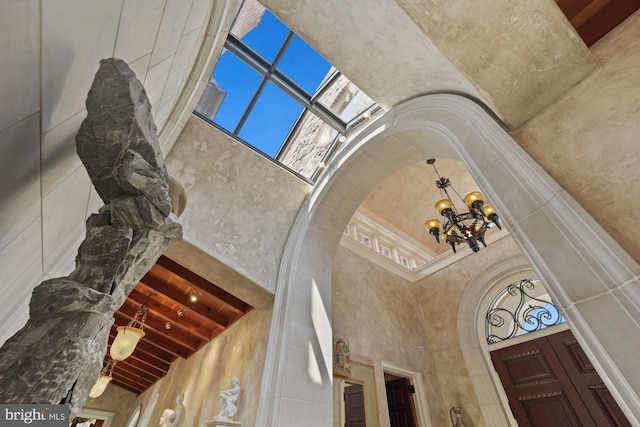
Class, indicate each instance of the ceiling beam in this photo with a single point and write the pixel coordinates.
(236, 304)
(168, 314)
(197, 308)
(143, 367)
(125, 368)
(159, 340)
(152, 322)
(124, 382)
(149, 352)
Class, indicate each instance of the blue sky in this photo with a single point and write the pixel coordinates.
(275, 112)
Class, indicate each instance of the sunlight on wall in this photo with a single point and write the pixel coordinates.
(313, 366)
(318, 369)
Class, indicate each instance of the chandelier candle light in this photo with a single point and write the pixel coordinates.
(467, 227)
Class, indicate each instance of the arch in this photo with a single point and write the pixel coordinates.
(221, 16)
(581, 266)
(148, 412)
(133, 420)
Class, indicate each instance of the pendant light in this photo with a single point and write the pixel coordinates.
(103, 381)
(128, 336)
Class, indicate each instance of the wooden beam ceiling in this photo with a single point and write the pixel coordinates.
(175, 326)
(592, 19)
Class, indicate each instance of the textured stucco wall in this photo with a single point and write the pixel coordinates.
(413, 326)
(439, 296)
(588, 141)
(240, 205)
(240, 351)
(376, 312)
(115, 399)
(523, 55)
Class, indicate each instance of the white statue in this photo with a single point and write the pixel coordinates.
(168, 416)
(229, 399)
(171, 418)
(180, 411)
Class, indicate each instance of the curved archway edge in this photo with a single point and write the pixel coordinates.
(589, 276)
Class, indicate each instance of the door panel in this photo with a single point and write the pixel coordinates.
(400, 404)
(354, 406)
(539, 391)
(550, 382)
(597, 398)
(555, 410)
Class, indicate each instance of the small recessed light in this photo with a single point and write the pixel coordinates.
(167, 325)
(180, 313)
(193, 298)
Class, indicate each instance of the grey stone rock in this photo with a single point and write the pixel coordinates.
(67, 331)
(62, 346)
(118, 142)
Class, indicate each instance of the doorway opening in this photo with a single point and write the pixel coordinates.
(400, 394)
(354, 406)
(414, 389)
(546, 376)
(93, 418)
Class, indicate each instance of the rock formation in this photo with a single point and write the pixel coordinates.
(62, 346)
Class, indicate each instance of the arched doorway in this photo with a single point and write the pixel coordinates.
(540, 373)
(550, 382)
(593, 271)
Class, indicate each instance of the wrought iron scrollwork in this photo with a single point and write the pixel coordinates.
(530, 313)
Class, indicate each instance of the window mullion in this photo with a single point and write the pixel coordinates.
(325, 86)
(244, 117)
(253, 59)
(283, 49)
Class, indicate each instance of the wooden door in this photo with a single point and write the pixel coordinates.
(550, 383)
(354, 413)
(400, 404)
(596, 396)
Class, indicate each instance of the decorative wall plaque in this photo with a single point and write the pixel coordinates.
(341, 361)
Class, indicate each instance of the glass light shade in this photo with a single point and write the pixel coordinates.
(100, 385)
(443, 204)
(489, 210)
(432, 224)
(474, 196)
(125, 342)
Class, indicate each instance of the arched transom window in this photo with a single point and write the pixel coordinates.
(521, 307)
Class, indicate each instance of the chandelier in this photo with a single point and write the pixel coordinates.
(466, 227)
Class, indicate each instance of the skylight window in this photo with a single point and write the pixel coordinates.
(272, 91)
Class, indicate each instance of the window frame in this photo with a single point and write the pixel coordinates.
(310, 102)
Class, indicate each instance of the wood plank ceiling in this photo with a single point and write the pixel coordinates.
(186, 311)
(592, 19)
